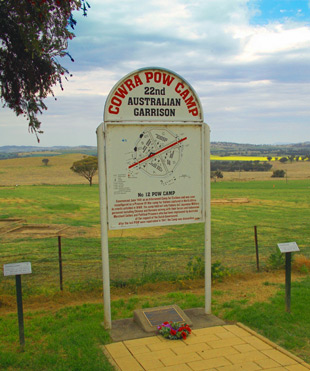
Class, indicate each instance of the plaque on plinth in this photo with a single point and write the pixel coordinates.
(149, 319)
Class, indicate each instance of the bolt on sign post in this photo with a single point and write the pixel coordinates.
(17, 269)
(153, 161)
(287, 249)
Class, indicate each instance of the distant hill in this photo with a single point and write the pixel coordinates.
(227, 149)
(16, 149)
(217, 148)
(31, 151)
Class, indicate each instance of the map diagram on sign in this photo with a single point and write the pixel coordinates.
(154, 174)
(157, 152)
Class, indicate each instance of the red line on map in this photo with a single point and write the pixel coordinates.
(156, 153)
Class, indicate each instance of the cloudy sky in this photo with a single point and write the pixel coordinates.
(248, 60)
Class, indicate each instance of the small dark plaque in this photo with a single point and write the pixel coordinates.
(150, 318)
(157, 317)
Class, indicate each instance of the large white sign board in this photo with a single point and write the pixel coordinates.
(154, 175)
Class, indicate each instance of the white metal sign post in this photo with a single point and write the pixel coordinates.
(153, 161)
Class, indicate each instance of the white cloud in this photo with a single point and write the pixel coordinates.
(251, 79)
(261, 42)
(96, 82)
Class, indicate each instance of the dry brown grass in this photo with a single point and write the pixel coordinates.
(301, 262)
(254, 287)
(31, 170)
(9, 231)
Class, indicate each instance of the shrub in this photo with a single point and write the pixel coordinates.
(218, 271)
(278, 174)
(276, 260)
(283, 159)
(196, 269)
(45, 161)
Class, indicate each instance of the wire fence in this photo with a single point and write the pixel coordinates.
(79, 266)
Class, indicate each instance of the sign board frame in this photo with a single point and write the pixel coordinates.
(129, 105)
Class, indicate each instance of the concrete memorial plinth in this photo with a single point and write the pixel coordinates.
(129, 328)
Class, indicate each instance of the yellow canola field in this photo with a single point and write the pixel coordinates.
(240, 158)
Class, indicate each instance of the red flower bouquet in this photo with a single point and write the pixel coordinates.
(174, 330)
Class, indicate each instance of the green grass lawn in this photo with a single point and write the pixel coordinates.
(66, 340)
(279, 210)
(290, 330)
(73, 205)
(70, 338)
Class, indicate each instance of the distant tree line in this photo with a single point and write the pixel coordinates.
(6, 156)
(272, 153)
(240, 166)
(231, 149)
(292, 158)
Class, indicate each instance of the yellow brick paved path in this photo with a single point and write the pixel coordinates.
(219, 348)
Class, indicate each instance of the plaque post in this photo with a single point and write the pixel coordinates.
(288, 260)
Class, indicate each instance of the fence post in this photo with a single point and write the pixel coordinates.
(60, 262)
(256, 247)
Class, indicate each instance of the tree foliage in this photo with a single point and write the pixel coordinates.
(278, 174)
(217, 174)
(45, 161)
(33, 34)
(283, 159)
(240, 166)
(86, 167)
